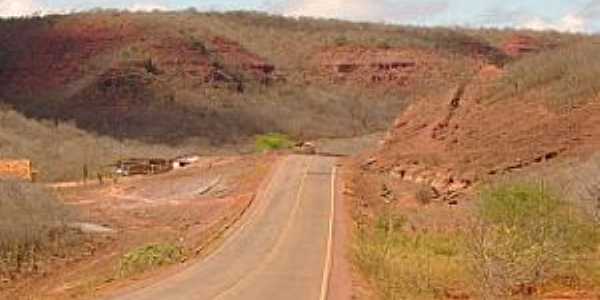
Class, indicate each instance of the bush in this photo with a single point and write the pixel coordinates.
(526, 237)
(33, 225)
(425, 194)
(149, 257)
(341, 41)
(273, 141)
(408, 265)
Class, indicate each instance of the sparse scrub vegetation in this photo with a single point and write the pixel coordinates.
(149, 257)
(524, 240)
(60, 151)
(425, 194)
(582, 182)
(274, 36)
(194, 94)
(567, 76)
(527, 237)
(33, 227)
(403, 265)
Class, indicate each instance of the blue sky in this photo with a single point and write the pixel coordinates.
(562, 15)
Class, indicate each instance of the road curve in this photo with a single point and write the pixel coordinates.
(280, 252)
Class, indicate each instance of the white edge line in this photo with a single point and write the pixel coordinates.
(327, 269)
(279, 241)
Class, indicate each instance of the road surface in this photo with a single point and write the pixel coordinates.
(280, 250)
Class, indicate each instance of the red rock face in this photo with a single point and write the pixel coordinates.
(454, 140)
(520, 45)
(376, 66)
(55, 56)
(49, 56)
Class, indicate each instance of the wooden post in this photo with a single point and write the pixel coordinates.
(85, 174)
(30, 171)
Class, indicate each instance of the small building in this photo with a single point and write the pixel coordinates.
(142, 166)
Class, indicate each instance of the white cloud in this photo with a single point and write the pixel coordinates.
(146, 7)
(18, 8)
(364, 10)
(569, 23)
(21, 8)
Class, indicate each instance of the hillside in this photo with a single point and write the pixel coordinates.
(467, 114)
(534, 110)
(216, 80)
(476, 181)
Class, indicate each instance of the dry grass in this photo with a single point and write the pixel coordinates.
(33, 227)
(60, 151)
(527, 238)
(169, 120)
(404, 265)
(581, 182)
(291, 41)
(522, 239)
(59, 148)
(564, 77)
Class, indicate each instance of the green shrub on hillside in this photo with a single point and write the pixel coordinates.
(149, 257)
(273, 141)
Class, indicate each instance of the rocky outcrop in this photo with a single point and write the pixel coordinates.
(378, 66)
(519, 45)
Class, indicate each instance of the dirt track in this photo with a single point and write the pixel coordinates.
(278, 252)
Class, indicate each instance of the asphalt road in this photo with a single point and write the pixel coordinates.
(280, 250)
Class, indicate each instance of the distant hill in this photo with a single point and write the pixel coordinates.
(213, 79)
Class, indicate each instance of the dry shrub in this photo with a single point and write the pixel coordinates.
(567, 76)
(60, 151)
(402, 265)
(582, 185)
(425, 194)
(527, 237)
(33, 226)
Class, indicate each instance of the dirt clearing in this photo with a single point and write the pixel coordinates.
(186, 209)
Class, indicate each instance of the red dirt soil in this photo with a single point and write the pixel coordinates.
(51, 54)
(448, 143)
(146, 210)
(455, 140)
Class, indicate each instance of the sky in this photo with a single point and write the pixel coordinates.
(560, 15)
